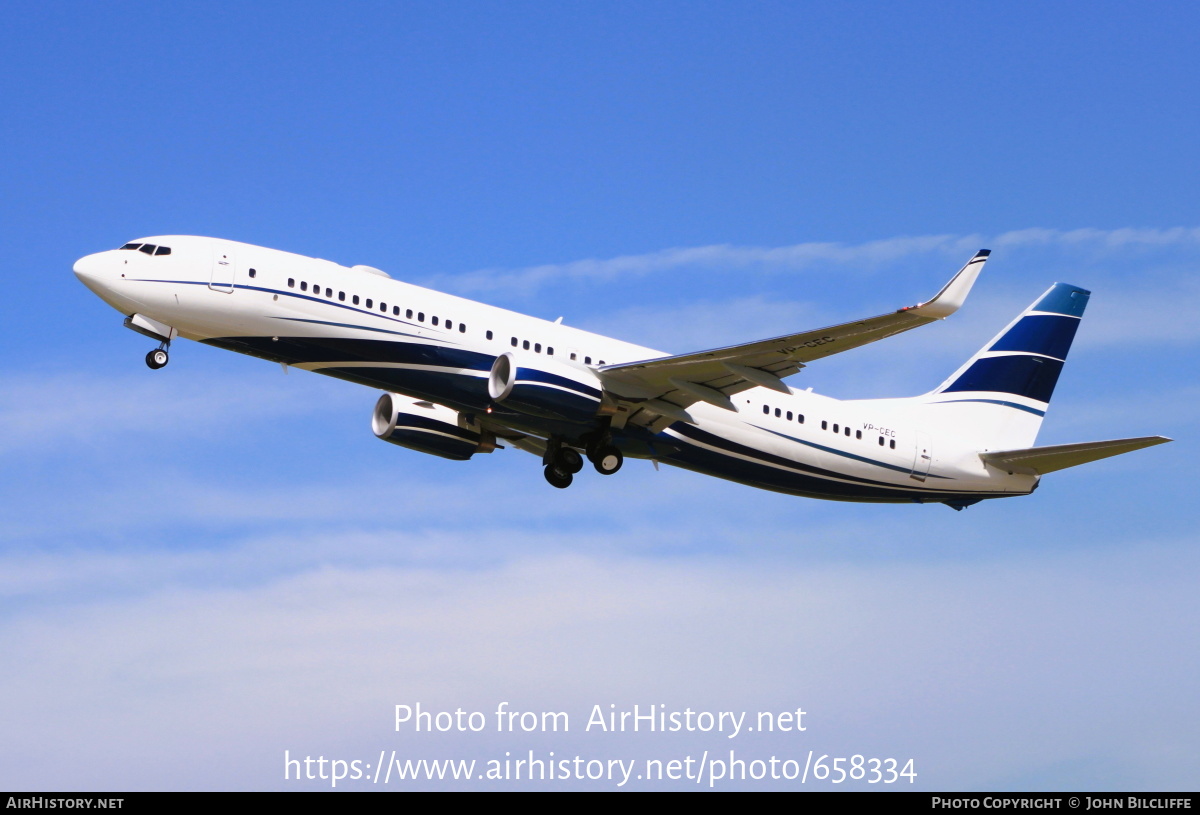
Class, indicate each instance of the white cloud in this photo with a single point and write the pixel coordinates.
(801, 256)
(71, 408)
(979, 671)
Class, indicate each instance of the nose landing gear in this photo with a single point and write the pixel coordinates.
(158, 357)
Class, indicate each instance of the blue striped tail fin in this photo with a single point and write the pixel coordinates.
(1005, 388)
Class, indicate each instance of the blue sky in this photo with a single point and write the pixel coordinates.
(205, 566)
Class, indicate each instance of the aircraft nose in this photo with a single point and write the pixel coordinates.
(91, 270)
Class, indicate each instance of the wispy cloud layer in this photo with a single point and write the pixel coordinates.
(804, 255)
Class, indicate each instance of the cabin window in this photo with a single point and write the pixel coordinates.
(462, 329)
(303, 286)
(847, 431)
(573, 355)
(433, 320)
(824, 425)
(881, 441)
(835, 427)
(342, 296)
(396, 311)
(408, 314)
(291, 282)
(549, 351)
(354, 299)
(383, 307)
(489, 334)
(253, 273)
(370, 303)
(537, 347)
(778, 413)
(766, 410)
(789, 415)
(514, 342)
(858, 434)
(449, 325)
(892, 444)
(800, 418)
(525, 344)
(421, 316)
(587, 360)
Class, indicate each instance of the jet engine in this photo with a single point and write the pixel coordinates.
(429, 428)
(542, 387)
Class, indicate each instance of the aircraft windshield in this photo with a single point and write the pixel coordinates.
(149, 248)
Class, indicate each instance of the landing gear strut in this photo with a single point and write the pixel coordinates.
(158, 357)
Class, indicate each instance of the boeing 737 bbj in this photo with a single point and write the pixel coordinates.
(460, 378)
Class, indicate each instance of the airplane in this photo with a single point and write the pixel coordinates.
(461, 378)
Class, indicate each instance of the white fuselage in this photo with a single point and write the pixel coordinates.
(358, 324)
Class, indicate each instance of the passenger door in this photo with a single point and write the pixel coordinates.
(923, 456)
(224, 269)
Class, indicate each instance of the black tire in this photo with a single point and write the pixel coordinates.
(608, 460)
(157, 359)
(558, 478)
(568, 460)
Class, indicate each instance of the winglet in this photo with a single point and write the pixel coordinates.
(953, 294)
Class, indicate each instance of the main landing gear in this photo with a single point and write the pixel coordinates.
(563, 462)
(158, 357)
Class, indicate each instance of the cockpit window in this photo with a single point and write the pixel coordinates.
(166, 250)
(148, 248)
(131, 246)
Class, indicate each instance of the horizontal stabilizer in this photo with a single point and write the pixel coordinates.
(1042, 460)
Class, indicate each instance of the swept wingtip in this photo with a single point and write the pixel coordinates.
(953, 294)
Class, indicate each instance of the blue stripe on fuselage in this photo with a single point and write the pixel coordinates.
(757, 473)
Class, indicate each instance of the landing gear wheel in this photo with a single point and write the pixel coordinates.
(568, 460)
(608, 460)
(157, 358)
(558, 478)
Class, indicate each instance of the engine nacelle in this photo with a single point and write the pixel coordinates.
(542, 387)
(429, 428)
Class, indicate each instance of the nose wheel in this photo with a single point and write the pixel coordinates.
(157, 358)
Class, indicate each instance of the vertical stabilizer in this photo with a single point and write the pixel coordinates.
(1001, 394)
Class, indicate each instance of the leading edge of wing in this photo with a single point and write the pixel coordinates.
(739, 367)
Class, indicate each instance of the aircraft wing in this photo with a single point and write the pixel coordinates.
(670, 384)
